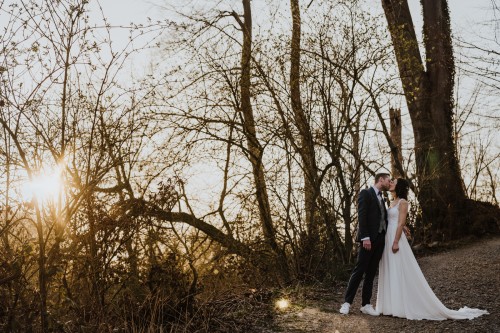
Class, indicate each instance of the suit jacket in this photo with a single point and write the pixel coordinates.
(369, 214)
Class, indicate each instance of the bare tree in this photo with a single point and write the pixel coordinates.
(53, 118)
(428, 86)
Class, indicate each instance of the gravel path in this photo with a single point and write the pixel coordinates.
(467, 276)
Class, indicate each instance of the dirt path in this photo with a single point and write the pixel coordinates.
(468, 276)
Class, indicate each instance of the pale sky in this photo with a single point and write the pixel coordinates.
(467, 21)
(467, 16)
(464, 14)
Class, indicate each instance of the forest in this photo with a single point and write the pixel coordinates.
(185, 196)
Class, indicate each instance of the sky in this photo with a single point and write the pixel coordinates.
(467, 21)
(464, 14)
(467, 16)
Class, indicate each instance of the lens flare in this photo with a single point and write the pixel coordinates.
(282, 304)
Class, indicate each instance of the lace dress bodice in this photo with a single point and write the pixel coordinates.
(393, 214)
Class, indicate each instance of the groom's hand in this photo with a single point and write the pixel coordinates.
(367, 245)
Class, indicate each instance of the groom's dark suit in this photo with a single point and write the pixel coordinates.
(371, 213)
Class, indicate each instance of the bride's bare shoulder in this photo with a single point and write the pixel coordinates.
(403, 203)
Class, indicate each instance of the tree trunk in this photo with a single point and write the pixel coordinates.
(306, 147)
(255, 150)
(428, 93)
(395, 116)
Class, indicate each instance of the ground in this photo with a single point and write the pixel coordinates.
(465, 276)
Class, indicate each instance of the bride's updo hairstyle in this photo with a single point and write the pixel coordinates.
(401, 189)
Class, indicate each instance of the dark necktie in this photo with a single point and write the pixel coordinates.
(383, 211)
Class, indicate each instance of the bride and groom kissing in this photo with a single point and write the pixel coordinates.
(403, 290)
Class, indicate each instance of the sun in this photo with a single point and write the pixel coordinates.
(44, 187)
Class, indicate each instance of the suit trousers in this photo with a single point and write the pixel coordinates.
(366, 265)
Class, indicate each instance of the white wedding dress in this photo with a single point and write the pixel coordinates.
(403, 290)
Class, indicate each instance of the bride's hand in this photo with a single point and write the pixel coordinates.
(395, 247)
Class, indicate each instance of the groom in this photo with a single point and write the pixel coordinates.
(372, 224)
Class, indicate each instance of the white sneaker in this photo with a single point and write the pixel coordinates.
(344, 309)
(369, 310)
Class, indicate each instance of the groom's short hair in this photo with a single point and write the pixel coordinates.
(381, 175)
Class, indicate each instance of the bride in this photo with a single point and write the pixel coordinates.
(403, 290)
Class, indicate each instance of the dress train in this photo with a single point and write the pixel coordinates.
(403, 290)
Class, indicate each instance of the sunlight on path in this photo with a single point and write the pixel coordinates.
(312, 319)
